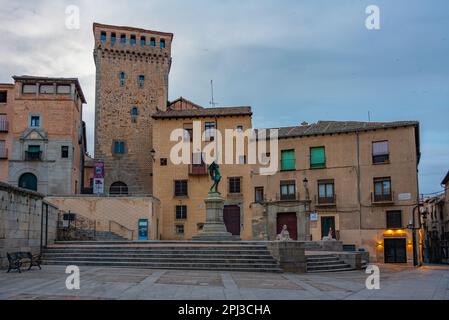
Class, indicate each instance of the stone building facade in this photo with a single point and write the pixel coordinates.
(132, 69)
(358, 179)
(47, 141)
(182, 188)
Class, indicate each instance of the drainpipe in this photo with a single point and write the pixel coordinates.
(358, 181)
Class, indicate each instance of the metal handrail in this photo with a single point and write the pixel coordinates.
(130, 236)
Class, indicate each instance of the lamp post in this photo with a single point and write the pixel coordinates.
(305, 183)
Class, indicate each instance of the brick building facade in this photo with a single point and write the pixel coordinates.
(43, 141)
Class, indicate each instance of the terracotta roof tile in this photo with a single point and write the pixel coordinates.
(205, 112)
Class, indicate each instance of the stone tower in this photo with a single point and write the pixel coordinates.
(132, 69)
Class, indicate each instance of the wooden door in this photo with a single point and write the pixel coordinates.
(395, 250)
(231, 217)
(289, 219)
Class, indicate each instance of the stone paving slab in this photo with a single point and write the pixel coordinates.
(397, 282)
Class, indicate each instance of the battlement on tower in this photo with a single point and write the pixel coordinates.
(121, 39)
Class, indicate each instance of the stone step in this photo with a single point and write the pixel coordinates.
(165, 243)
(328, 266)
(319, 259)
(325, 263)
(159, 259)
(155, 255)
(331, 270)
(174, 266)
(159, 252)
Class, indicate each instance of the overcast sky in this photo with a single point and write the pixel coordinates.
(292, 61)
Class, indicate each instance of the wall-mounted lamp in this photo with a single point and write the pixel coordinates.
(305, 183)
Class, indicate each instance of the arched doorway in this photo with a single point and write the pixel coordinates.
(28, 181)
(118, 188)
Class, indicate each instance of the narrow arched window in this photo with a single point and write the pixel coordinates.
(162, 43)
(134, 114)
(122, 78)
(118, 188)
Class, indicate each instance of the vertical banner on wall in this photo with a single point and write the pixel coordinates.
(98, 177)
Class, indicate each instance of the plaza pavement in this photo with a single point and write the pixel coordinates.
(397, 282)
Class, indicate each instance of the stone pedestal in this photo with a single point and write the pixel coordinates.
(214, 229)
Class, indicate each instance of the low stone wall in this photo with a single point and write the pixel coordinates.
(290, 255)
(323, 245)
(26, 221)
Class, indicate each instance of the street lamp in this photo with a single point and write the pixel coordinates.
(305, 183)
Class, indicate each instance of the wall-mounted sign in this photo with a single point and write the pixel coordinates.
(313, 216)
(98, 187)
(404, 196)
(99, 169)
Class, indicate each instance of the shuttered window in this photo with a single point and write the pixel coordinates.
(381, 153)
(317, 157)
(288, 160)
(119, 147)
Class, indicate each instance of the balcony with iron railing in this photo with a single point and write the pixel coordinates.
(3, 153)
(4, 125)
(33, 155)
(287, 197)
(198, 169)
(383, 198)
(326, 201)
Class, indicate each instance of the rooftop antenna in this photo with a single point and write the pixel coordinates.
(212, 102)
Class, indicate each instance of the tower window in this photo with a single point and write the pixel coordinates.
(123, 38)
(141, 80)
(162, 43)
(103, 36)
(122, 78)
(119, 147)
(113, 38)
(134, 111)
(143, 41)
(133, 39)
(152, 42)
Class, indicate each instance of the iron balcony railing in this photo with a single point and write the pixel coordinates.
(198, 169)
(326, 201)
(4, 125)
(3, 153)
(33, 155)
(287, 197)
(382, 198)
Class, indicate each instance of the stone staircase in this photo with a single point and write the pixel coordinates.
(326, 263)
(229, 256)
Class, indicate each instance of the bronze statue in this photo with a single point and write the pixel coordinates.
(214, 172)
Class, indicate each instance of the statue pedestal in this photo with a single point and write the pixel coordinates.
(214, 229)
